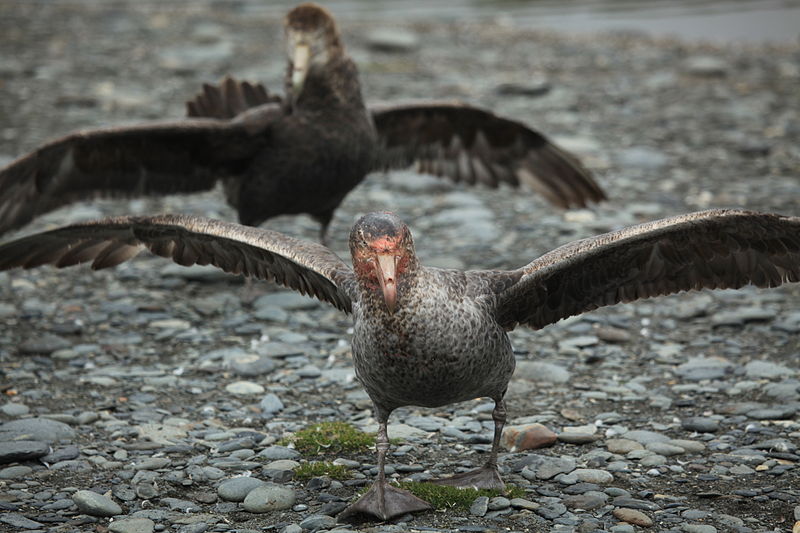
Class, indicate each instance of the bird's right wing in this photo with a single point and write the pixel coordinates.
(716, 249)
(147, 159)
(304, 266)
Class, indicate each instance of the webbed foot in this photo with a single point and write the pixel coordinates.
(486, 477)
(385, 502)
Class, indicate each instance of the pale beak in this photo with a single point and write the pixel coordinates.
(388, 279)
(302, 55)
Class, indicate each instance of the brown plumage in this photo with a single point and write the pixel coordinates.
(429, 337)
(301, 153)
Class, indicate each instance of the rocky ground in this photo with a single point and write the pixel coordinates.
(153, 384)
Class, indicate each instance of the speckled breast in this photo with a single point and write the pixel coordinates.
(421, 359)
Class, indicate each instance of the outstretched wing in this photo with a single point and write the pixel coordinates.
(229, 98)
(717, 249)
(472, 145)
(148, 159)
(304, 266)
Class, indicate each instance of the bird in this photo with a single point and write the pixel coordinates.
(430, 337)
(300, 153)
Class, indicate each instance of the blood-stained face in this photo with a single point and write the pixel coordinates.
(383, 253)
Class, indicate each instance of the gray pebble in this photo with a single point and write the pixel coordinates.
(18, 521)
(593, 475)
(698, 528)
(22, 450)
(132, 525)
(270, 404)
(40, 429)
(479, 506)
(15, 472)
(318, 521)
(701, 424)
(44, 345)
(269, 497)
(94, 504)
(274, 453)
(15, 409)
(236, 489)
(665, 449)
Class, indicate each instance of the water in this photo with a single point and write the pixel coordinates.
(710, 20)
(775, 21)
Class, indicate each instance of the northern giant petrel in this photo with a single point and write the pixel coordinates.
(430, 337)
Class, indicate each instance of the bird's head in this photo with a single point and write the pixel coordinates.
(383, 254)
(312, 39)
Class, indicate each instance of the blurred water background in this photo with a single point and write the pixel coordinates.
(711, 20)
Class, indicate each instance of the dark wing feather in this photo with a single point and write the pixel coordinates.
(229, 98)
(304, 266)
(718, 249)
(472, 145)
(148, 159)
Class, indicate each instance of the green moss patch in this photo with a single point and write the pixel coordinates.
(447, 497)
(330, 438)
(321, 468)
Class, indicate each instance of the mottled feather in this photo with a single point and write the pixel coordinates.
(304, 266)
(715, 249)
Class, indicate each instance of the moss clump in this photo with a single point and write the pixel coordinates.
(321, 468)
(447, 497)
(328, 438)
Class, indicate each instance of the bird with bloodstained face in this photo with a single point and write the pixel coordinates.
(430, 337)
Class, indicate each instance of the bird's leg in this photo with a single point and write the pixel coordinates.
(324, 220)
(487, 476)
(382, 499)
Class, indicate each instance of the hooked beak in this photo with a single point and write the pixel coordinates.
(388, 279)
(302, 55)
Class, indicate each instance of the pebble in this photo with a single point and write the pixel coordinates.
(18, 521)
(21, 450)
(700, 424)
(94, 504)
(37, 429)
(479, 506)
(236, 489)
(132, 525)
(527, 437)
(15, 409)
(271, 404)
(244, 388)
(632, 516)
(622, 446)
(593, 475)
(269, 497)
(317, 522)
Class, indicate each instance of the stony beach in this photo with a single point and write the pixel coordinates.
(152, 397)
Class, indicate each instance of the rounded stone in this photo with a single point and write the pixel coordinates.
(40, 429)
(593, 475)
(632, 516)
(244, 388)
(268, 497)
(236, 489)
(132, 525)
(94, 504)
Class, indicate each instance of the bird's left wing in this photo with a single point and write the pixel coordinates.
(716, 249)
(304, 266)
(229, 99)
(469, 144)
